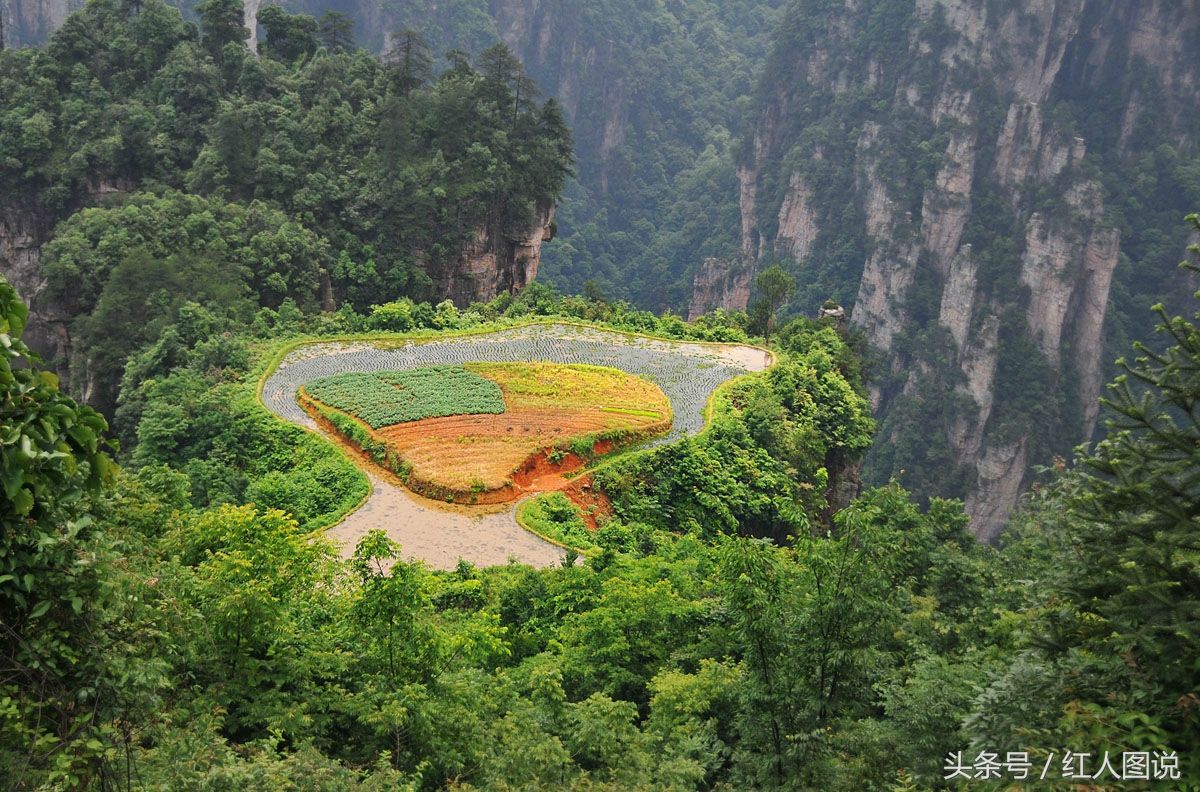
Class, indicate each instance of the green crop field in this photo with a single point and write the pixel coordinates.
(383, 398)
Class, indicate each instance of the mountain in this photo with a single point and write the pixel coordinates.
(654, 92)
(149, 162)
(994, 190)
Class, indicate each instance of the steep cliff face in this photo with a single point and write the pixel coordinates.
(21, 235)
(491, 264)
(559, 45)
(930, 162)
(25, 22)
(721, 283)
(654, 93)
(24, 227)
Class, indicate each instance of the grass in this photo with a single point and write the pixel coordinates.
(560, 385)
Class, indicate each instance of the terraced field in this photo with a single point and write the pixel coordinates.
(487, 432)
(687, 373)
(554, 417)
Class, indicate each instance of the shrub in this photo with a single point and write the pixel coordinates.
(554, 516)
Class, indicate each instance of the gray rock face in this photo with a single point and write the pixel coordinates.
(976, 90)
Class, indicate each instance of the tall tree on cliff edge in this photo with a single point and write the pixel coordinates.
(222, 22)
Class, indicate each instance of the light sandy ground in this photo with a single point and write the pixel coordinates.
(747, 357)
(439, 534)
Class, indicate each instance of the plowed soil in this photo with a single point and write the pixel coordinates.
(549, 408)
(507, 452)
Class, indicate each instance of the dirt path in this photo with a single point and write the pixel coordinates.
(438, 534)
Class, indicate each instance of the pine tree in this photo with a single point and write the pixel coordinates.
(222, 22)
(409, 62)
(1138, 515)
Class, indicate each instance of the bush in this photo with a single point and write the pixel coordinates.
(554, 516)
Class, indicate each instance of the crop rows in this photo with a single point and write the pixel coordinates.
(383, 398)
(687, 373)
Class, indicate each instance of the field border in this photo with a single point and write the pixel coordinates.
(424, 335)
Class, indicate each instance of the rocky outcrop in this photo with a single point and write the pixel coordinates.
(492, 264)
(890, 267)
(22, 233)
(965, 185)
(24, 227)
(584, 71)
(721, 283)
(797, 221)
(26, 22)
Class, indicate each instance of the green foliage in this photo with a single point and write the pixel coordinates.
(553, 516)
(770, 463)
(55, 574)
(383, 398)
(774, 286)
(308, 174)
(741, 622)
(864, 640)
(289, 36)
(188, 404)
(1112, 637)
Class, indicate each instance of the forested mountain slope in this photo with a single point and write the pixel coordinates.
(992, 190)
(148, 161)
(996, 190)
(654, 92)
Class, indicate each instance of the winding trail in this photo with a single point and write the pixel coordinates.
(440, 534)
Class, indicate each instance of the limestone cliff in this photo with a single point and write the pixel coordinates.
(24, 22)
(721, 283)
(492, 264)
(24, 227)
(583, 69)
(935, 166)
(21, 237)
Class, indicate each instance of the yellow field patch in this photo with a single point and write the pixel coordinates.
(556, 417)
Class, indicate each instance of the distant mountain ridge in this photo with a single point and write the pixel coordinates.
(971, 177)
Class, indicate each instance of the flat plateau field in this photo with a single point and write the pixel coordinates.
(457, 441)
(440, 534)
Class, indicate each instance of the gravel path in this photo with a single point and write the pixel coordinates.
(687, 373)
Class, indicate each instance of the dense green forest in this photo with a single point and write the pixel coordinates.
(172, 618)
(730, 633)
(316, 174)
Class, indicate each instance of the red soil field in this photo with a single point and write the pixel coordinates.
(550, 409)
(497, 458)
